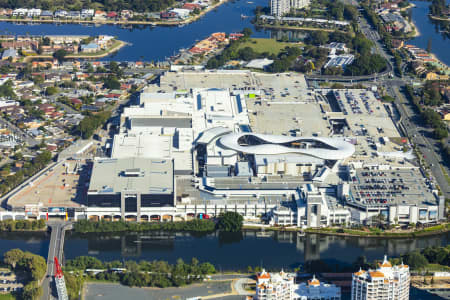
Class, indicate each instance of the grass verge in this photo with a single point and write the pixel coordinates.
(265, 45)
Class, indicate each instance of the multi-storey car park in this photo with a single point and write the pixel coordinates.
(266, 146)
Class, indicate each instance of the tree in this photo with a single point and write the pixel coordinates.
(111, 82)
(207, 268)
(46, 41)
(230, 221)
(12, 257)
(31, 291)
(319, 37)
(60, 54)
(415, 260)
(90, 68)
(115, 68)
(51, 90)
(247, 32)
(7, 91)
(440, 133)
(38, 79)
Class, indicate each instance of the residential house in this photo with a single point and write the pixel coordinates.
(99, 15)
(46, 14)
(22, 45)
(60, 13)
(90, 48)
(10, 54)
(397, 44)
(126, 14)
(112, 15)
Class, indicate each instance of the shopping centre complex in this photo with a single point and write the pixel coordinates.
(267, 146)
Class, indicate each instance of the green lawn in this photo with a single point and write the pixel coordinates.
(437, 267)
(7, 297)
(265, 45)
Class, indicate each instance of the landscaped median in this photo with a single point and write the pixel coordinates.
(438, 229)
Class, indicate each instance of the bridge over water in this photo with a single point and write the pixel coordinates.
(55, 249)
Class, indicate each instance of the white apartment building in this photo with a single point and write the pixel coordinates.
(298, 4)
(279, 7)
(274, 286)
(386, 282)
(281, 286)
(316, 290)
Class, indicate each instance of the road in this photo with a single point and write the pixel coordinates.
(55, 249)
(421, 136)
(18, 132)
(67, 108)
(410, 122)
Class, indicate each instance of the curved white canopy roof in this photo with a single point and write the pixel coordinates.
(337, 148)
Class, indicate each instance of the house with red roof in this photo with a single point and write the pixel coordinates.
(112, 15)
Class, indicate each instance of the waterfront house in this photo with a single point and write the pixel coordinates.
(181, 13)
(397, 44)
(87, 13)
(22, 45)
(112, 15)
(34, 12)
(100, 15)
(60, 13)
(168, 15)
(235, 36)
(46, 14)
(20, 12)
(191, 6)
(90, 48)
(74, 15)
(126, 14)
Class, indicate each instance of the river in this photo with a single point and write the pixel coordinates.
(35, 242)
(440, 44)
(156, 43)
(237, 251)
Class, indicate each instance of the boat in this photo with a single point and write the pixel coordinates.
(244, 16)
(301, 234)
(250, 2)
(263, 233)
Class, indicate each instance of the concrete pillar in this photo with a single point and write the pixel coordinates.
(138, 203)
(122, 205)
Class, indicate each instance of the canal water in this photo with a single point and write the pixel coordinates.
(429, 30)
(156, 43)
(273, 250)
(35, 242)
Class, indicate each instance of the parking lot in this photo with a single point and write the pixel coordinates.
(61, 186)
(97, 291)
(9, 282)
